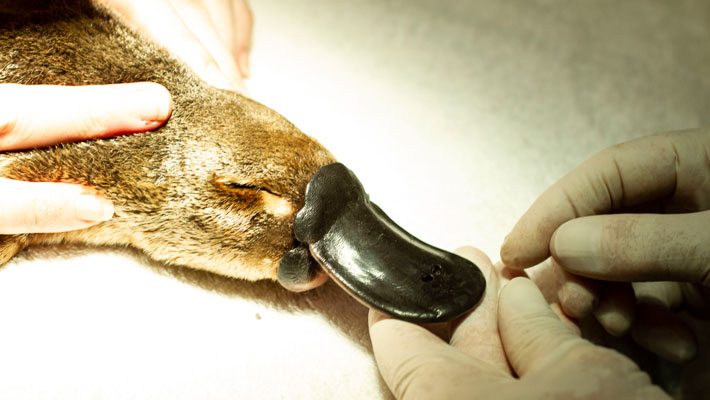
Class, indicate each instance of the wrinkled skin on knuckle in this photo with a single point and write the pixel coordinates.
(433, 376)
(529, 343)
(42, 213)
(564, 376)
(617, 231)
(590, 372)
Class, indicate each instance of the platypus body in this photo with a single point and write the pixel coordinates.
(216, 188)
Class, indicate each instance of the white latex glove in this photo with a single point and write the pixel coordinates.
(636, 212)
(511, 347)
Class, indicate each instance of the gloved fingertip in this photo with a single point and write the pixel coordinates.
(576, 245)
(578, 297)
(660, 331)
(518, 253)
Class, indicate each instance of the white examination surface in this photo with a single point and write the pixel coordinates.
(454, 114)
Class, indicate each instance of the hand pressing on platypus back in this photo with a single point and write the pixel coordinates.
(216, 188)
(337, 203)
(38, 116)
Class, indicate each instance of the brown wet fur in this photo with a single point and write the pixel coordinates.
(194, 192)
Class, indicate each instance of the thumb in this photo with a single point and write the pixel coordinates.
(532, 335)
(636, 247)
(417, 364)
(31, 207)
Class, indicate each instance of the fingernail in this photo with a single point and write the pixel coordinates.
(576, 245)
(244, 65)
(151, 103)
(577, 300)
(508, 254)
(93, 209)
(660, 331)
(615, 322)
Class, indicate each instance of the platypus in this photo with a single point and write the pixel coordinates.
(218, 187)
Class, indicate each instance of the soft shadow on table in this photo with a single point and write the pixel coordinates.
(344, 312)
(688, 381)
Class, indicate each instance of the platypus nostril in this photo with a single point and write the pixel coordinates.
(435, 271)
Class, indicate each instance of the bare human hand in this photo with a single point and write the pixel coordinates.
(213, 37)
(42, 115)
(628, 234)
(511, 347)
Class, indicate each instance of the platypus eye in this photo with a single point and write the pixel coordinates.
(271, 201)
(234, 185)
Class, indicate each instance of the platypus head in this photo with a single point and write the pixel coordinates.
(216, 188)
(227, 185)
(238, 173)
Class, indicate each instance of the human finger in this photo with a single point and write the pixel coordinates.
(43, 115)
(417, 364)
(233, 21)
(477, 333)
(624, 175)
(551, 361)
(222, 16)
(31, 207)
(631, 247)
(696, 299)
(244, 22)
(617, 308)
(547, 278)
(658, 327)
(531, 333)
(160, 21)
(197, 19)
(578, 296)
(667, 293)
(506, 274)
(660, 331)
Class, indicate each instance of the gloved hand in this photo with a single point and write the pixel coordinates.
(511, 347)
(629, 235)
